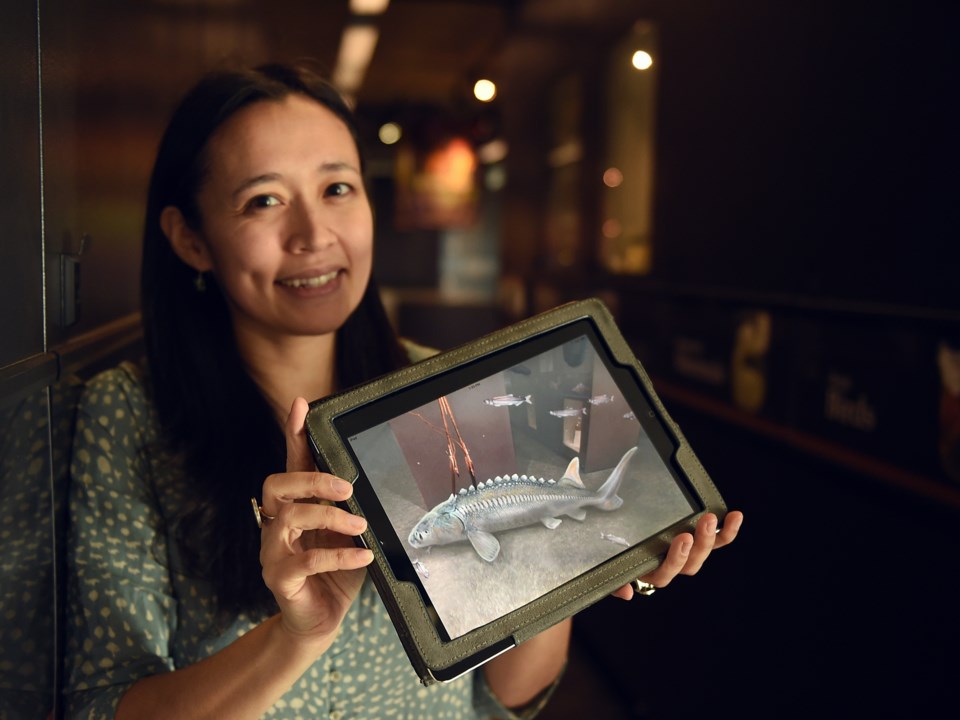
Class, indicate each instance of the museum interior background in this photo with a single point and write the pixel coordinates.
(769, 208)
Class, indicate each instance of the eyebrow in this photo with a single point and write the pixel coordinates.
(251, 182)
(336, 166)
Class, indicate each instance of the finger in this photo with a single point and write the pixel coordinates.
(298, 452)
(673, 563)
(731, 526)
(289, 487)
(624, 593)
(704, 539)
(310, 516)
(285, 577)
(291, 531)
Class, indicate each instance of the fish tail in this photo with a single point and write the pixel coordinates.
(607, 494)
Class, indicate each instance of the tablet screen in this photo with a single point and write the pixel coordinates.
(498, 483)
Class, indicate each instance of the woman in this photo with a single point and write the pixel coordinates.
(256, 295)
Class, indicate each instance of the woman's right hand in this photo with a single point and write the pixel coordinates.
(309, 561)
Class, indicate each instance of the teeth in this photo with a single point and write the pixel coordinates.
(313, 282)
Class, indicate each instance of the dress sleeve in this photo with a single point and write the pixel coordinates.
(121, 612)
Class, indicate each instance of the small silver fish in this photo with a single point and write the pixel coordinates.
(600, 399)
(568, 412)
(614, 539)
(629, 416)
(508, 400)
(579, 388)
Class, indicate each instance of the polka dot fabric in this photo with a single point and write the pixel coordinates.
(132, 612)
(35, 435)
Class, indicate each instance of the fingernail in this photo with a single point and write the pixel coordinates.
(358, 523)
(711, 526)
(341, 486)
(685, 547)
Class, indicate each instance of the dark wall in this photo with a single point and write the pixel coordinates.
(21, 289)
(809, 148)
(806, 152)
(836, 601)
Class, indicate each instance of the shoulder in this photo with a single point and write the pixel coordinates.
(117, 396)
(416, 352)
(126, 378)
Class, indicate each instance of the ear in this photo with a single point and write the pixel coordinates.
(185, 241)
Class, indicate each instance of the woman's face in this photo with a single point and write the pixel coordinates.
(286, 221)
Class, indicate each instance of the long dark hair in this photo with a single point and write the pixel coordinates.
(213, 415)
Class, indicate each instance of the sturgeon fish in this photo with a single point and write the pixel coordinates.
(514, 501)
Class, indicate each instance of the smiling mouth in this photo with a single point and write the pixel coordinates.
(313, 282)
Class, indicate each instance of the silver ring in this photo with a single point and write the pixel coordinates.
(260, 515)
(643, 588)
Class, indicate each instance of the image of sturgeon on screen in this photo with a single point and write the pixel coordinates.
(505, 490)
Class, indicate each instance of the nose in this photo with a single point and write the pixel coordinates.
(309, 229)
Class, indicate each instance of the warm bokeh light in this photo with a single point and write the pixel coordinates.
(612, 177)
(493, 151)
(495, 178)
(368, 7)
(642, 60)
(389, 133)
(484, 90)
(612, 229)
(451, 168)
(356, 49)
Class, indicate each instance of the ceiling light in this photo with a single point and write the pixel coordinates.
(485, 90)
(389, 133)
(642, 60)
(356, 49)
(368, 7)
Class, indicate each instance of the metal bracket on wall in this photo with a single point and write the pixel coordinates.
(70, 284)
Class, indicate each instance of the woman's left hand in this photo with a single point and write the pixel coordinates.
(688, 552)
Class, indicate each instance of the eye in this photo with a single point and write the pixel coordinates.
(338, 189)
(259, 202)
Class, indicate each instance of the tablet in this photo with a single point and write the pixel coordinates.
(510, 482)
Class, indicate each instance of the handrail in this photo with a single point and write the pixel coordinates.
(27, 376)
(88, 348)
(810, 444)
(792, 302)
(73, 356)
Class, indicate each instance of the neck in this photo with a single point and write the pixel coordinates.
(290, 367)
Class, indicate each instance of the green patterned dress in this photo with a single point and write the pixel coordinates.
(133, 612)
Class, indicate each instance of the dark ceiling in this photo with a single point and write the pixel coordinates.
(432, 51)
(428, 52)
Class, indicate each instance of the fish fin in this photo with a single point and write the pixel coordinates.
(486, 545)
(611, 503)
(607, 493)
(578, 514)
(551, 522)
(571, 477)
(528, 399)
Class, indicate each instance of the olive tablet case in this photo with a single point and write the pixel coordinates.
(510, 482)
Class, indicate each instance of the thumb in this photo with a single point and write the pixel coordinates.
(298, 453)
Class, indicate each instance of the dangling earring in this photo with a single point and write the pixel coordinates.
(200, 283)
